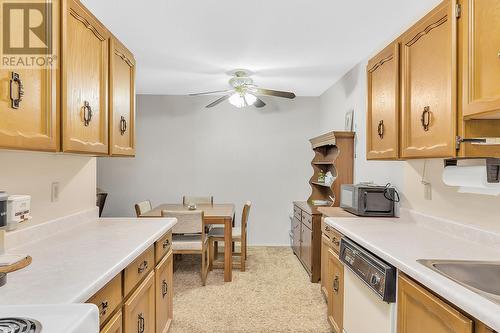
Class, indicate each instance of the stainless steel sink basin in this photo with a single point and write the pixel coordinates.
(482, 277)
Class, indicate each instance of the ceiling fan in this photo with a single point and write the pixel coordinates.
(244, 92)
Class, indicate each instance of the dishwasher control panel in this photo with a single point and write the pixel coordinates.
(373, 271)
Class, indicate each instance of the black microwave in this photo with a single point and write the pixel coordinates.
(367, 199)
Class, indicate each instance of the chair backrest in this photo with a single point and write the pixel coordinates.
(188, 221)
(208, 200)
(143, 207)
(244, 218)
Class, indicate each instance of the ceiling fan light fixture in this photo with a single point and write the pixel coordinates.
(241, 100)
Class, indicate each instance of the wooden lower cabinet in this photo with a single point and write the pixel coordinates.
(306, 238)
(139, 309)
(335, 289)
(419, 311)
(164, 295)
(114, 325)
(325, 281)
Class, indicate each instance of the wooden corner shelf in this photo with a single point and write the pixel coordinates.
(334, 152)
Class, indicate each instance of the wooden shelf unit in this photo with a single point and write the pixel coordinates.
(334, 152)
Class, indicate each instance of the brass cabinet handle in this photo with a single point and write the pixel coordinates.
(335, 241)
(381, 129)
(164, 288)
(141, 323)
(103, 308)
(123, 125)
(16, 101)
(87, 113)
(336, 284)
(327, 228)
(142, 267)
(426, 118)
(166, 243)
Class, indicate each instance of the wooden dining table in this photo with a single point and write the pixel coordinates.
(212, 214)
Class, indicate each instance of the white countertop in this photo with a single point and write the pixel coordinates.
(74, 261)
(401, 241)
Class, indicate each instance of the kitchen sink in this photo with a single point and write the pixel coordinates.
(482, 277)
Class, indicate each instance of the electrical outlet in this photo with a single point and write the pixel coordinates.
(54, 197)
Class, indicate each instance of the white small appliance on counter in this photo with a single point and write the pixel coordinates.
(18, 210)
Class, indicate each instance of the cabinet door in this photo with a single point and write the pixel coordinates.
(114, 325)
(139, 310)
(480, 55)
(122, 100)
(335, 292)
(84, 81)
(325, 246)
(164, 294)
(296, 233)
(306, 247)
(383, 104)
(29, 100)
(419, 311)
(429, 85)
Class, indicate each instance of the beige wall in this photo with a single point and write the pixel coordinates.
(33, 173)
(350, 93)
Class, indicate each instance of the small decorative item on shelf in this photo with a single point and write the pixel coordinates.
(321, 177)
(329, 178)
(191, 206)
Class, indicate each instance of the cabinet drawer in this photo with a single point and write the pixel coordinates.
(162, 246)
(307, 220)
(164, 295)
(108, 298)
(297, 213)
(333, 235)
(139, 309)
(114, 325)
(138, 269)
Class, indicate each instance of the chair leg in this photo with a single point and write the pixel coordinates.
(242, 259)
(216, 250)
(210, 254)
(204, 268)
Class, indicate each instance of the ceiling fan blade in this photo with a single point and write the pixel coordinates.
(259, 103)
(218, 101)
(276, 93)
(211, 92)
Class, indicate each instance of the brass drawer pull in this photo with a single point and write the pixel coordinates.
(87, 113)
(142, 267)
(103, 308)
(335, 241)
(141, 323)
(426, 118)
(327, 228)
(165, 244)
(381, 129)
(16, 101)
(164, 288)
(336, 284)
(123, 125)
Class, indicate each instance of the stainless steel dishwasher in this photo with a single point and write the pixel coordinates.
(369, 291)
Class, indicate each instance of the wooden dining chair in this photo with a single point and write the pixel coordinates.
(142, 207)
(216, 235)
(189, 236)
(208, 200)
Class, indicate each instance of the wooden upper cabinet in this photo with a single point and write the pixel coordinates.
(420, 311)
(428, 118)
(28, 98)
(383, 104)
(480, 57)
(122, 100)
(84, 81)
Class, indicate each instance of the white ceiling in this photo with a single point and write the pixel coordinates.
(186, 46)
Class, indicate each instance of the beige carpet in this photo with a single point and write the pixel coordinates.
(272, 295)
